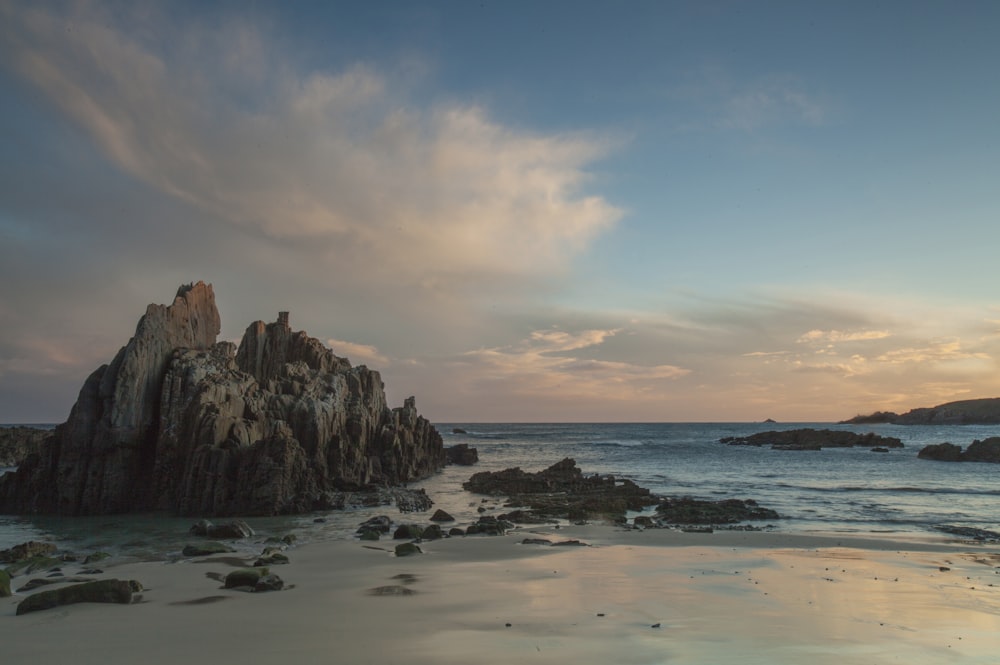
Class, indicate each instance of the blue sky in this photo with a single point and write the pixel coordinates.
(656, 211)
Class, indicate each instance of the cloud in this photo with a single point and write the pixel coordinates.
(935, 351)
(728, 102)
(358, 353)
(834, 336)
(538, 366)
(338, 163)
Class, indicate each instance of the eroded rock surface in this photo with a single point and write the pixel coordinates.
(179, 422)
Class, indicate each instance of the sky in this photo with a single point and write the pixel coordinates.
(516, 211)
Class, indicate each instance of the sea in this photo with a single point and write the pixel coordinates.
(832, 491)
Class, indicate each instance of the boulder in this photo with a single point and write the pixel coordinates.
(432, 532)
(180, 422)
(462, 454)
(408, 532)
(4, 583)
(441, 516)
(941, 452)
(99, 591)
(407, 549)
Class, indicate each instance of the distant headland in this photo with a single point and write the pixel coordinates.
(984, 411)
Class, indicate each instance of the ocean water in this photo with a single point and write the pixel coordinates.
(851, 490)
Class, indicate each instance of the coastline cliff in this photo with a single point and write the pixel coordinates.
(964, 412)
(182, 423)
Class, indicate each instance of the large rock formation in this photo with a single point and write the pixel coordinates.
(179, 422)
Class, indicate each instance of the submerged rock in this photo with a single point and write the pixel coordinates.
(179, 422)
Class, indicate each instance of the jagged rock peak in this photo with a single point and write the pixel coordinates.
(181, 423)
(266, 348)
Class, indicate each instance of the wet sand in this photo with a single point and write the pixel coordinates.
(628, 597)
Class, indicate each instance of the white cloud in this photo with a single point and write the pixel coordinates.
(334, 162)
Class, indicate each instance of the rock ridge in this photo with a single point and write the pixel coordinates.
(183, 423)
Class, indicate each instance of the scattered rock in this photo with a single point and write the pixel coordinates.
(536, 541)
(271, 557)
(206, 549)
(441, 516)
(489, 526)
(253, 579)
(408, 549)
(408, 532)
(4, 583)
(432, 532)
(99, 591)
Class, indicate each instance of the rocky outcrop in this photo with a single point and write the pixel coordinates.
(462, 455)
(963, 412)
(685, 511)
(16, 443)
(181, 423)
(563, 491)
(813, 439)
(987, 450)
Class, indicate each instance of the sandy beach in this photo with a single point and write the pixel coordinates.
(629, 597)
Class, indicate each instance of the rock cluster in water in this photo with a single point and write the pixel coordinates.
(563, 491)
(813, 439)
(987, 450)
(182, 423)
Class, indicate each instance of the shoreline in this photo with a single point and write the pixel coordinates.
(756, 597)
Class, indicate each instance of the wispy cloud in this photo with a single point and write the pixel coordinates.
(336, 161)
(358, 353)
(834, 336)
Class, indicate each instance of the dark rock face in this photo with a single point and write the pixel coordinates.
(16, 443)
(813, 439)
(987, 450)
(178, 422)
(563, 491)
